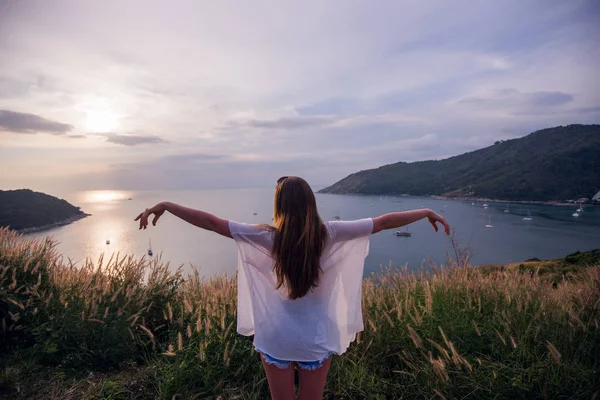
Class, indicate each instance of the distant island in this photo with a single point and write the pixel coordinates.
(553, 164)
(26, 211)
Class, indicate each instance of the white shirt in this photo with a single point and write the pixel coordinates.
(327, 318)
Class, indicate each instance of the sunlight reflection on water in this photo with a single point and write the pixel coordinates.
(552, 233)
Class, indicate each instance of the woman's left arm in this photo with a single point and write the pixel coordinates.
(198, 218)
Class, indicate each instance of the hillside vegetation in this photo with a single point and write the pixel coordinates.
(26, 209)
(131, 329)
(551, 164)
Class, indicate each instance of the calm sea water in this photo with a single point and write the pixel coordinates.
(552, 233)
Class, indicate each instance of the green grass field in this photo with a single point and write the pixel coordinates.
(132, 329)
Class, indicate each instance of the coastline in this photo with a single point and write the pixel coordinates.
(479, 199)
(487, 199)
(63, 222)
(483, 199)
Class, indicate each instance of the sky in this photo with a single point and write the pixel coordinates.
(219, 94)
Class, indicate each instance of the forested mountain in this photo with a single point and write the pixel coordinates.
(551, 164)
(26, 209)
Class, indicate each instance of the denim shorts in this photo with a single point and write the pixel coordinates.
(305, 365)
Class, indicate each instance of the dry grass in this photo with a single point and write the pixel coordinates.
(451, 332)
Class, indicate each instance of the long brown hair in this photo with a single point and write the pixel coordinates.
(300, 237)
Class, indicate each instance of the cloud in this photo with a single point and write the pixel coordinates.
(588, 110)
(549, 99)
(16, 122)
(10, 87)
(206, 170)
(130, 140)
(520, 103)
(332, 121)
(292, 122)
(194, 158)
(381, 119)
(356, 91)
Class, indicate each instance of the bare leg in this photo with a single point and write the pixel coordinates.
(312, 383)
(281, 381)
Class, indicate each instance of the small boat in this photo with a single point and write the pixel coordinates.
(580, 209)
(254, 214)
(528, 217)
(336, 217)
(150, 248)
(485, 205)
(575, 214)
(107, 241)
(506, 210)
(489, 224)
(402, 233)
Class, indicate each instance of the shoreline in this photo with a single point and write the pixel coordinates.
(57, 224)
(483, 199)
(479, 199)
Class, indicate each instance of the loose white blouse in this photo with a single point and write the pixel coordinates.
(323, 321)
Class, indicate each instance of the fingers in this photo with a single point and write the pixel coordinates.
(143, 217)
(446, 226)
(143, 220)
(433, 223)
(438, 218)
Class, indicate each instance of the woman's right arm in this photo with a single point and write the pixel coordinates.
(398, 219)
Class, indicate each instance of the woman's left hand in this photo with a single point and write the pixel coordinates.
(157, 210)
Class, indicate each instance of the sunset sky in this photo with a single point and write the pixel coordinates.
(203, 94)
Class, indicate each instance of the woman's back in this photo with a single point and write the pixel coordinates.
(327, 318)
(299, 283)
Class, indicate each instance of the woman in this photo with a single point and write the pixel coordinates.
(299, 281)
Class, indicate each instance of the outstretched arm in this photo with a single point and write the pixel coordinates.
(398, 219)
(199, 218)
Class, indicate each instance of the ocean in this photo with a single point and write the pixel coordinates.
(553, 232)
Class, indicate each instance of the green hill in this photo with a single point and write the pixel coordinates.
(25, 209)
(551, 164)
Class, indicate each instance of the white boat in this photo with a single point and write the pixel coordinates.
(506, 210)
(528, 217)
(489, 224)
(485, 205)
(575, 214)
(149, 247)
(580, 209)
(402, 233)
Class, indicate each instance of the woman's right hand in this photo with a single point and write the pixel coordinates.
(434, 218)
(157, 210)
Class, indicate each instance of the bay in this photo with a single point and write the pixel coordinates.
(553, 232)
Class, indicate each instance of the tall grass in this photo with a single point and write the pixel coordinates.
(450, 332)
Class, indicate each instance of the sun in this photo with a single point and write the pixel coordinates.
(100, 120)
